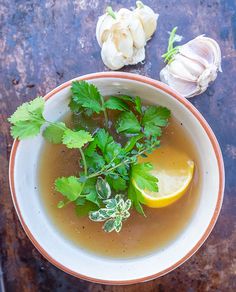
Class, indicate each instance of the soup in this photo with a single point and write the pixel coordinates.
(140, 235)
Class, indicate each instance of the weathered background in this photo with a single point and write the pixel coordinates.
(44, 43)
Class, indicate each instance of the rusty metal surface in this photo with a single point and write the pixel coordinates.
(44, 43)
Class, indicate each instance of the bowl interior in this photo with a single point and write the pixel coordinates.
(77, 261)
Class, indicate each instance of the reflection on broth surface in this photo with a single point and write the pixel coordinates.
(139, 235)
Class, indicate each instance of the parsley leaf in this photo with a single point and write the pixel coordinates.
(118, 184)
(141, 174)
(76, 139)
(115, 103)
(26, 129)
(154, 118)
(90, 191)
(102, 139)
(54, 133)
(85, 95)
(112, 150)
(133, 195)
(70, 187)
(27, 119)
(128, 123)
(84, 209)
(132, 142)
(28, 111)
(95, 162)
(138, 105)
(126, 98)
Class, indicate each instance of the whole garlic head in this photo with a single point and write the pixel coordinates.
(148, 18)
(122, 35)
(194, 65)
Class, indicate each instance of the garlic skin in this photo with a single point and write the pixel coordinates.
(123, 35)
(148, 19)
(194, 66)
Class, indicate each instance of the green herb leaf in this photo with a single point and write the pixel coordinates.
(134, 197)
(70, 187)
(29, 111)
(118, 184)
(154, 118)
(132, 142)
(128, 123)
(138, 105)
(115, 103)
(90, 191)
(86, 95)
(141, 174)
(80, 201)
(89, 151)
(102, 139)
(112, 150)
(109, 225)
(114, 213)
(54, 133)
(103, 188)
(126, 98)
(76, 139)
(26, 129)
(83, 210)
(27, 119)
(95, 162)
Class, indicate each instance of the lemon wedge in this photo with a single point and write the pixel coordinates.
(174, 170)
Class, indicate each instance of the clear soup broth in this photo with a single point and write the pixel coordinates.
(139, 235)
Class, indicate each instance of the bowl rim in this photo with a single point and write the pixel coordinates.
(211, 136)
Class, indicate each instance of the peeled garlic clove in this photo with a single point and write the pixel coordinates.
(122, 38)
(148, 18)
(183, 87)
(103, 28)
(111, 57)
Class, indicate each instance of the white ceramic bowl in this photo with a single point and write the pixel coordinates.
(71, 259)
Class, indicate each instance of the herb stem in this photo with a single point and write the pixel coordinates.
(84, 161)
(128, 161)
(85, 168)
(104, 111)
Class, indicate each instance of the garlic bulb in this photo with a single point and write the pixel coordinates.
(123, 35)
(193, 66)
